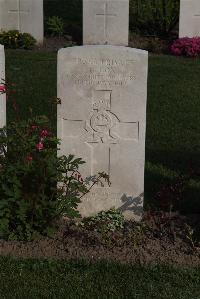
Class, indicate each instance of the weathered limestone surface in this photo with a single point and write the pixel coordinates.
(102, 119)
(105, 22)
(2, 95)
(23, 15)
(189, 18)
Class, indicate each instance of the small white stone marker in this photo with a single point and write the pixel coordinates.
(105, 22)
(189, 24)
(23, 15)
(2, 87)
(102, 115)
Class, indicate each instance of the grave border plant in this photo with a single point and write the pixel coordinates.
(14, 39)
(55, 26)
(186, 46)
(31, 200)
(104, 221)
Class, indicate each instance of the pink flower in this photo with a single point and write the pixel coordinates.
(40, 146)
(44, 134)
(29, 158)
(2, 88)
(33, 127)
(77, 176)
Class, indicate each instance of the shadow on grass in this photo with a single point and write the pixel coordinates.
(164, 167)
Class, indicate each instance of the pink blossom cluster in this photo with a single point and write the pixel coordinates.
(77, 176)
(43, 135)
(40, 145)
(2, 88)
(186, 46)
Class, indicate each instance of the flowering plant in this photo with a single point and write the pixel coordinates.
(186, 46)
(2, 88)
(31, 200)
(14, 39)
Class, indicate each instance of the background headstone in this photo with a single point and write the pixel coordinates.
(23, 15)
(105, 22)
(2, 95)
(189, 24)
(102, 119)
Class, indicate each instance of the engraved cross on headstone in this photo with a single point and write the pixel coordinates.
(196, 7)
(189, 24)
(105, 22)
(103, 130)
(18, 11)
(105, 15)
(197, 16)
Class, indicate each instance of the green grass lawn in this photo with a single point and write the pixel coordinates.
(34, 78)
(173, 122)
(24, 279)
(173, 136)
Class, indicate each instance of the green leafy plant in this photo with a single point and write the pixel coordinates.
(104, 221)
(71, 14)
(55, 26)
(14, 39)
(72, 187)
(31, 200)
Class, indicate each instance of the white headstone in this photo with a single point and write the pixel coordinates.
(189, 24)
(105, 22)
(2, 95)
(23, 15)
(102, 119)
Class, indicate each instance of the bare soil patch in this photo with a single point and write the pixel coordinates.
(144, 243)
(53, 44)
(151, 44)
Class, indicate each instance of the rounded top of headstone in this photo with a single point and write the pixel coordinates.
(1, 47)
(93, 48)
